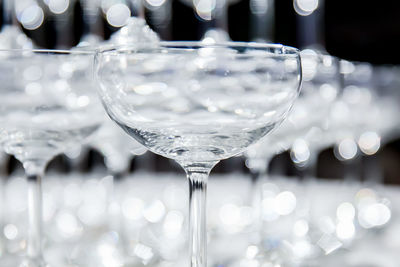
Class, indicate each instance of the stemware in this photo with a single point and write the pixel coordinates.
(301, 129)
(320, 87)
(198, 103)
(353, 113)
(92, 28)
(43, 112)
(2, 201)
(321, 80)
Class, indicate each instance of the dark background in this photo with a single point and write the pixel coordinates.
(355, 30)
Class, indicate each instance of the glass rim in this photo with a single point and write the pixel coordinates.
(286, 50)
(49, 51)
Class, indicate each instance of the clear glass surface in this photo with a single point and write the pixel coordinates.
(48, 104)
(304, 131)
(308, 122)
(198, 104)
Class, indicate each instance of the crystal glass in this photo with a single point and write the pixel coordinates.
(304, 125)
(47, 106)
(198, 104)
(322, 87)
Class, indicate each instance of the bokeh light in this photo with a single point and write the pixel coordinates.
(31, 17)
(117, 15)
(204, 8)
(58, 6)
(155, 3)
(347, 149)
(305, 7)
(300, 152)
(369, 143)
(374, 215)
(345, 212)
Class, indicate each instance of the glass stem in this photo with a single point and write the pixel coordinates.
(308, 171)
(256, 197)
(259, 169)
(2, 211)
(197, 175)
(34, 173)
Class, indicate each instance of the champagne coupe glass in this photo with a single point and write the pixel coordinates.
(353, 113)
(198, 103)
(321, 77)
(302, 129)
(45, 109)
(92, 25)
(320, 87)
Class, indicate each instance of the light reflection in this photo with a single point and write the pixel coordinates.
(309, 64)
(356, 95)
(285, 203)
(300, 152)
(204, 8)
(58, 6)
(305, 7)
(173, 223)
(328, 92)
(365, 197)
(213, 36)
(346, 212)
(252, 252)
(66, 70)
(326, 225)
(155, 3)
(132, 208)
(369, 143)
(154, 212)
(33, 88)
(144, 252)
(67, 224)
(329, 243)
(108, 255)
(117, 15)
(302, 249)
(32, 73)
(31, 17)
(231, 213)
(268, 209)
(347, 149)
(300, 228)
(10, 231)
(374, 215)
(345, 230)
